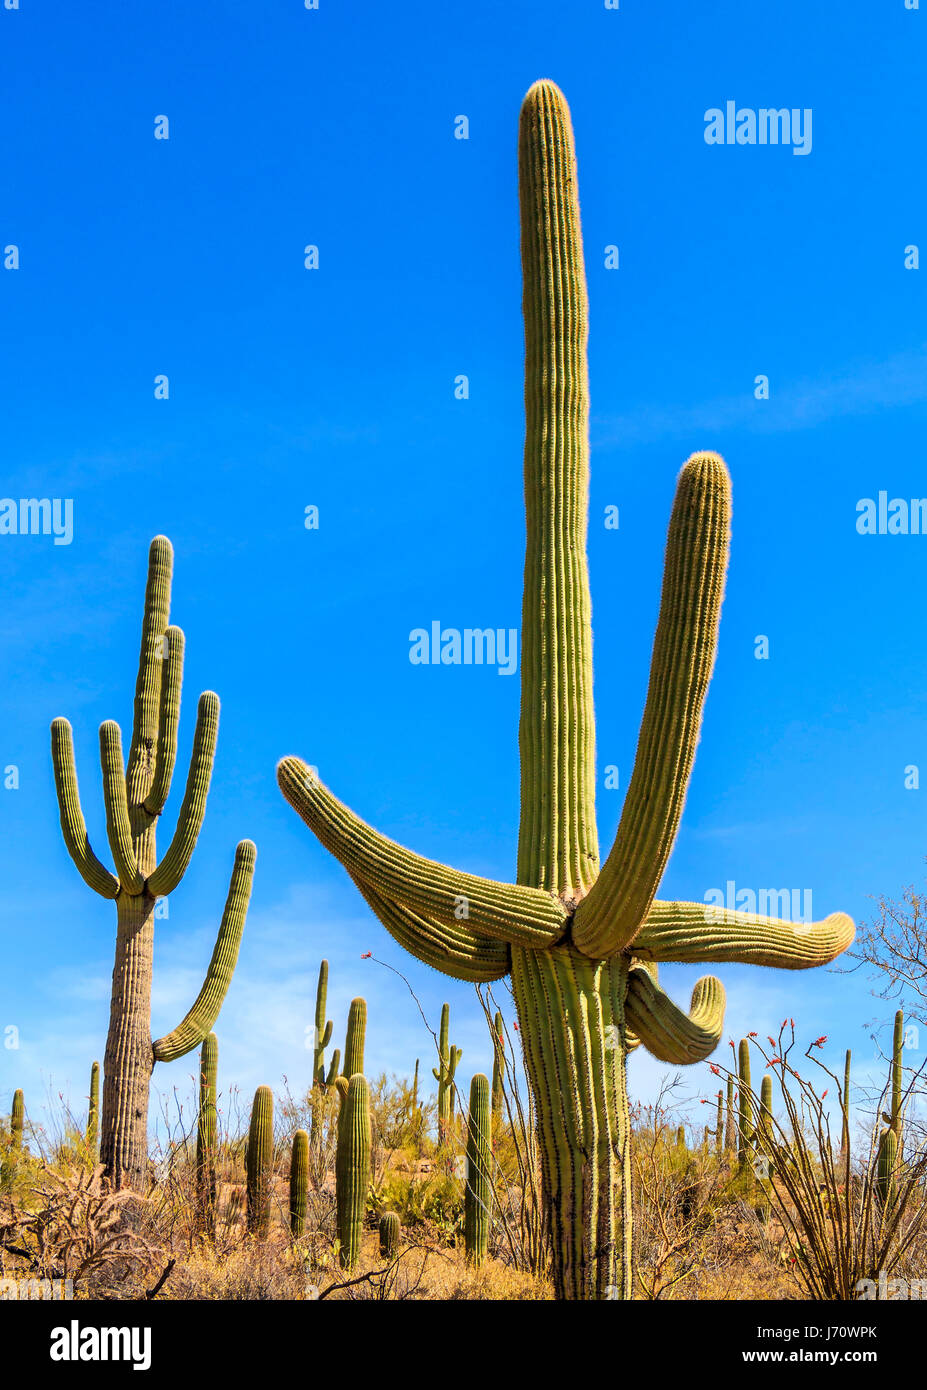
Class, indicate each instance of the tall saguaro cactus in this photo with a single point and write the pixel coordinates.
(134, 797)
(576, 937)
(352, 1169)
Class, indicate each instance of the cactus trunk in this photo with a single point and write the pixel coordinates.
(352, 1169)
(206, 1135)
(299, 1182)
(260, 1161)
(478, 1194)
(128, 1059)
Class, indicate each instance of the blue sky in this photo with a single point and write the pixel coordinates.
(335, 388)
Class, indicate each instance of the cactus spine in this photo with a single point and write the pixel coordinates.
(206, 1135)
(354, 1041)
(93, 1112)
(260, 1161)
(745, 1105)
(299, 1182)
(478, 1194)
(352, 1169)
(498, 1068)
(134, 796)
(576, 938)
(389, 1234)
(444, 1072)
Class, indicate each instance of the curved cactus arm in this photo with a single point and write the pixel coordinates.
(193, 807)
(452, 949)
(142, 750)
(695, 932)
(668, 1033)
(609, 917)
(118, 828)
(334, 1071)
(199, 1021)
(96, 875)
(504, 911)
(168, 720)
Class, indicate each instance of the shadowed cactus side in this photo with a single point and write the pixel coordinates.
(299, 1183)
(134, 794)
(260, 1162)
(444, 1073)
(478, 1193)
(389, 1234)
(579, 937)
(352, 1169)
(206, 1123)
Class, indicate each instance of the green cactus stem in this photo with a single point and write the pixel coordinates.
(299, 1183)
(260, 1162)
(323, 1030)
(893, 1117)
(134, 794)
(886, 1169)
(93, 1112)
(352, 1169)
(578, 940)
(354, 1041)
(17, 1117)
(719, 1126)
(845, 1108)
(389, 1235)
(745, 1105)
(498, 1068)
(206, 1125)
(415, 1087)
(478, 1194)
(444, 1073)
(730, 1132)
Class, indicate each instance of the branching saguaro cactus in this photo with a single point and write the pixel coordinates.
(478, 1194)
(134, 796)
(323, 1031)
(260, 1162)
(576, 938)
(206, 1125)
(352, 1169)
(17, 1118)
(444, 1073)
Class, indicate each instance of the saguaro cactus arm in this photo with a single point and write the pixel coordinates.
(118, 827)
(193, 807)
(668, 1033)
(688, 932)
(168, 720)
(201, 1017)
(504, 911)
(143, 748)
(73, 827)
(609, 917)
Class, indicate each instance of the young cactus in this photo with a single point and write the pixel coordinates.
(730, 1132)
(17, 1116)
(845, 1109)
(448, 1058)
(206, 1135)
(299, 1183)
(93, 1112)
(719, 1127)
(389, 1234)
(478, 1194)
(575, 934)
(323, 1031)
(352, 1169)
(260, 1162)
(745, 1105)
(354, 1041)
(134, 794)
(893, 1119)
(498, 1068)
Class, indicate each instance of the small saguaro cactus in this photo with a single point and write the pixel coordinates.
(478, 1194)
(206, 1125)
(498, 1067)
(93, 1111)
(323, 1030)
(355, 1038)
(886, 1166)
(17, 1116)
(766, 1103)
(745, 1105)
(845, 1108)
(299, 1182)
(444, 1073)
(260, 1161)
(719, 1126)
(893, 1117)
(352, 1169)
(575, 934)
(389, 1234)
(730, 1132)
(134, 796)
(890, 1141)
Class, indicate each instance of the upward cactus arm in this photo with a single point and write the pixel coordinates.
(193, 807)
(142, 751)
(609, 917)
(118, 828)
(454, 949)
(168, 720)
(73, 828)
(503, 911)
(678, 931)
(199, 1021)
(668, 1033)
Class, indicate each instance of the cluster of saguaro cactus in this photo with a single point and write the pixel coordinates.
(260, 1161)
(352, 1169)
(206, 1127)
(444, 1073)
(134, 795)
(890, 1139)
(299, 1182)
(479, 1184)
(579, 938)
(93, 1111)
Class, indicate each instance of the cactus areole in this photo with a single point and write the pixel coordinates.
(580, 939)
